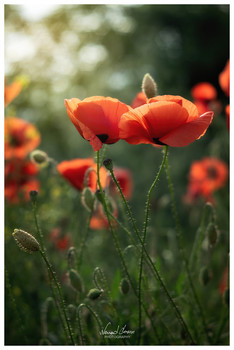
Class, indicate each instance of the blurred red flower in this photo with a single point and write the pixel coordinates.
(61, 241)
(99, 220)
(224, 79)
(12, 91)
(224, 281)
(20, 180)
(21, 137)
(204, 95)
(75, 171)
(96, 118)
(164, 120)
(205, 177)
(124, 178)
(139, 100)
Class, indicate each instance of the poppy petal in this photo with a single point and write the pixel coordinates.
(132, 129)
(188, 132)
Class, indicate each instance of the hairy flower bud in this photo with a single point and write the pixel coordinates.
(124, 286)
(205, 276)
(87, 198)
(212, 234)
(75, 280)
(26, 241)
(108, 164)
(149, 86)
(94, 293)
(33, 196)
(39, 157)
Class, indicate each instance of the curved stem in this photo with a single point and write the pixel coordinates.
(181, 247)
(145, 230)
(83, 241)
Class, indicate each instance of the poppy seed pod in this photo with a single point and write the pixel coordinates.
(149, 86)
(94, 293)
(99, 196)
(26, 241)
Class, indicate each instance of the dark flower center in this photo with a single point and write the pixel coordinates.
(156, 140)
(212, 172)
(102, 137)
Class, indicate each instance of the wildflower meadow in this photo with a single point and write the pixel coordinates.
(117, 175)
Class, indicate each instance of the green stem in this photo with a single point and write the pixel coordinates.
(181, 247)
(156, 272)
(116, 240)
(145, 230)
(39, 233)
(52, 273)
(83, 242)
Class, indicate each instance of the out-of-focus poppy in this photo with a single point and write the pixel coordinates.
(139, 100)
(205, 177)
(96, 118)
(124, 178)
(75, 171)
(224, 282)
(204, 95)
(99, 220)
(21, 137)
(12, 91)
(164, 120)
(20, 180)
(60, 241)
(224, 79)
(227, 110)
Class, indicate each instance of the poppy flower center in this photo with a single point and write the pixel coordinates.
(15, 140)
(156, 140)
(102, 137)
(212, 172)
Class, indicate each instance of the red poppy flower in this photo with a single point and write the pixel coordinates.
(204, 95)
(224, 79)
(12, 91)
(205, 177)
(21, 137)
(20, 180)
(124, 178)
(61, 241)
(139, 100)
(96, 118)
(164, 120)
(75, 172)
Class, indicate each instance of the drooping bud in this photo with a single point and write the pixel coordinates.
(26, 241)
(99, 196)
(33, 196)
(205, 276)
(149, 87)
(124, 286)
(108, 164)
(39, 157)
(94, 293)
(87, 198)
(75, 280)
(212, 234)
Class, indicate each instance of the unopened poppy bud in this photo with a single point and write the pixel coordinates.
(204, 276)
(75, 280)
(149, 86)
(212, 234)
(124, 286)
(39, 157)
(99, 196)
(87, 198)
(94, 293)
(108, 164)
(26, 241)
(33, 196)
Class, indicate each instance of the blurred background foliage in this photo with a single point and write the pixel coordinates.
(85, 50)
